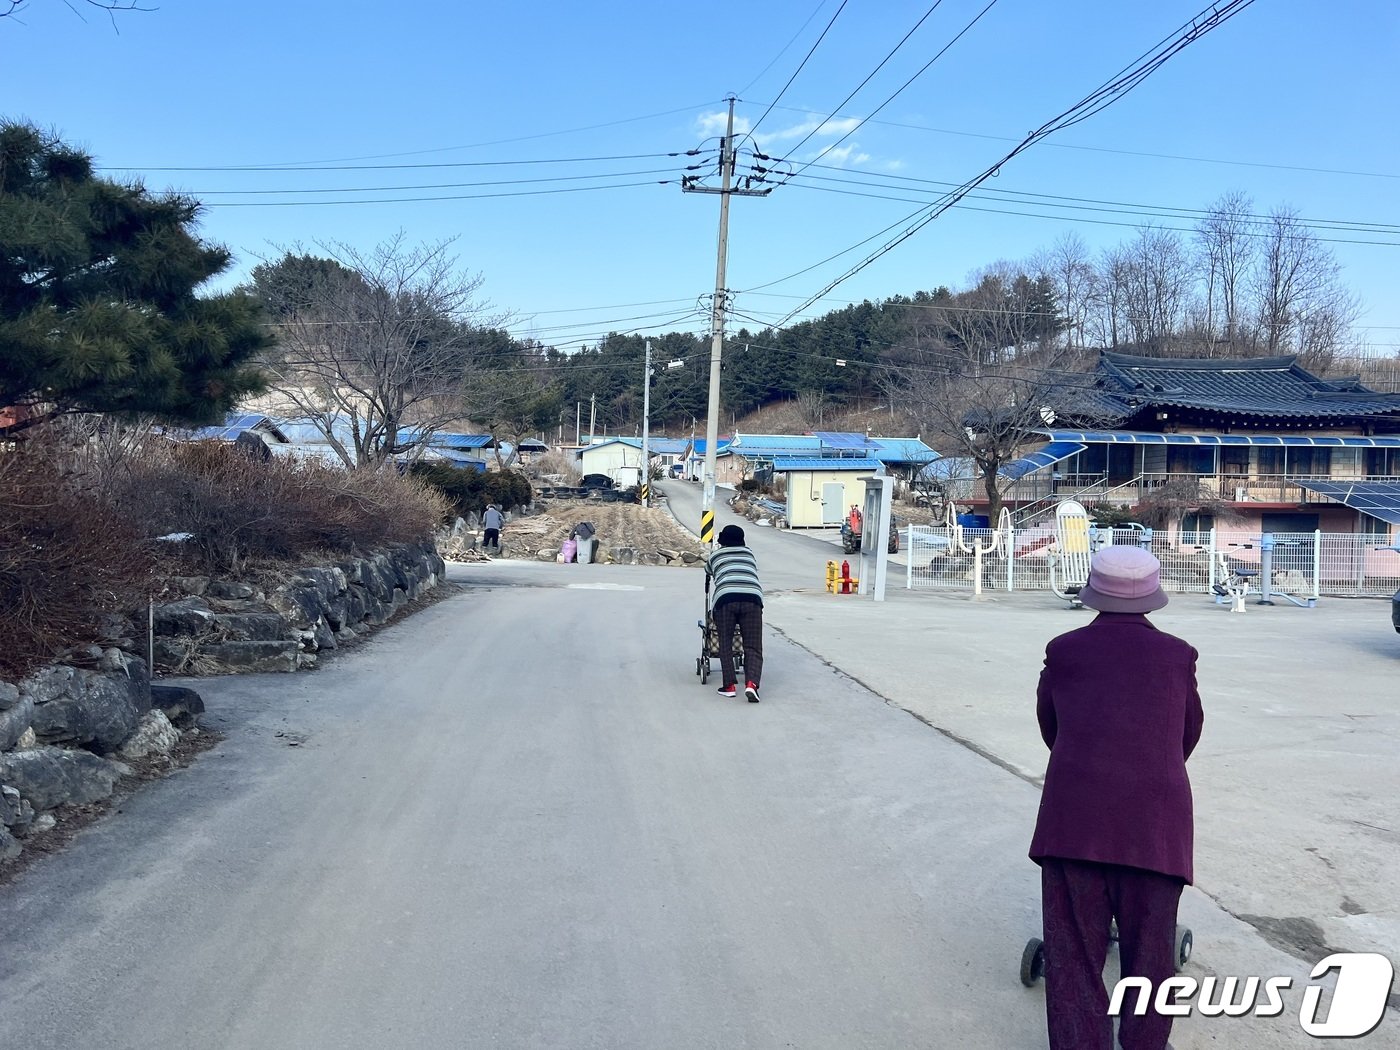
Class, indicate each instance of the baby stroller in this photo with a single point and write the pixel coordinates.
(1033, 957)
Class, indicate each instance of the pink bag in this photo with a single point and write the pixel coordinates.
(570, 550)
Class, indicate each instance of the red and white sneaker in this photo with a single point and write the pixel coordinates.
(730, 690)
(751, 691)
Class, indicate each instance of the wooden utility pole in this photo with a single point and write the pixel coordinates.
(726, 171)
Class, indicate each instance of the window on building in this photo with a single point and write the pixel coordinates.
(1234, 460)
(1372, 526)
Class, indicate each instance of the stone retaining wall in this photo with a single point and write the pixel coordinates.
(68, 734)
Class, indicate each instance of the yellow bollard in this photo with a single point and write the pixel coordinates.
(831, 575)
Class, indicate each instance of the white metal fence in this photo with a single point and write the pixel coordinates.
(1305, 565)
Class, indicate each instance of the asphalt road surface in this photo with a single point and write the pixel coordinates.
(516, 819)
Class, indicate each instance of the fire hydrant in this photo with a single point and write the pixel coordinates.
(846, 580)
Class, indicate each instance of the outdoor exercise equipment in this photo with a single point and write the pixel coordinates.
(1068, 556)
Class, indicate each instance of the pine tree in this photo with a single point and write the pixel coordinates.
(99, 310)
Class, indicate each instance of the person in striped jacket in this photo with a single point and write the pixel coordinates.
(736, 599)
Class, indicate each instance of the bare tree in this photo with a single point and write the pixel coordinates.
(1069, 265)
(1157, 283)
(989, 417)
(1295, 278)
(374, 348)
(15, 7)
(1227, 241)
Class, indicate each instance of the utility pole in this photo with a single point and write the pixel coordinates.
(726, 171)
(592, 415)
(578, 432)
(646, 428)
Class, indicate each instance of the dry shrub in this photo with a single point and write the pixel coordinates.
(238, 509)
(67, 557)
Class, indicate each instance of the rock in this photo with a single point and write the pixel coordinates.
(48, 683)
(189, 616)
(252, 656)
(690, 557)
(230, 589)
(51, 776)
(101, 709)
(41, 823)
(173, 654)
(324, 636)
(547, 553)
(178, 703)
(27, 739)
(253, 627)
(9, 845)
(15, 810)
(668, 554)
(193, 585)
(9, 696)
(623, 555)
(14, 722)
(345, 636)
(154, 734)
(355, 605)
(299, 601)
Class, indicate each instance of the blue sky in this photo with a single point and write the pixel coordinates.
(1291, 101)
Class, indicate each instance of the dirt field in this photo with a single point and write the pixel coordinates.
(649, 532)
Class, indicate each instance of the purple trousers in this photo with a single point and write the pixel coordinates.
(1079, 899)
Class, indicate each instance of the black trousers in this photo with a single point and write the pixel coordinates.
(492, 538)
(1079, 899)
(749, 618)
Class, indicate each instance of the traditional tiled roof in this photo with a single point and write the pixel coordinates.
(1260, 387)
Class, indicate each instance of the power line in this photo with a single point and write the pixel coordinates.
(442, 149)
(274, 170)
(1261, 235)
(426, 200)
(443, 185)
(851, 131)
(800, 66)
(781, 53)
(1120, 152)
(1123, 83)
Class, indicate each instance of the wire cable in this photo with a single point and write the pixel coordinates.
(1211, 18)
(799, 68)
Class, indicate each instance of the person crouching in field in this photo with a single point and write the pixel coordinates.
(1119, 709)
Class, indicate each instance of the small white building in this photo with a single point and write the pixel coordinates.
(820, 492)
(611, 458)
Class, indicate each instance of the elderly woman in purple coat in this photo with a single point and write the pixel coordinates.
(1119, 710)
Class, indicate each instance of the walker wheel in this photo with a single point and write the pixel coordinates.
(704, 670)
(1033, 962)
(1184, 943)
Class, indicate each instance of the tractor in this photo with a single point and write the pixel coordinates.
(850, 533)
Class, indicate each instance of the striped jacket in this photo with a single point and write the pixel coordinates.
(733, 575)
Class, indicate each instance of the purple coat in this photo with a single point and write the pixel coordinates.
(1119, 710)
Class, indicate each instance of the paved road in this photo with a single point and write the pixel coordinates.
(517, 820)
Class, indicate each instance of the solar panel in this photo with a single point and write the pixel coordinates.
(1380, 499)
(1132, 437)
(835, 439)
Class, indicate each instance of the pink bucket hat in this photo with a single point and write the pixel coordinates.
(1124, 580)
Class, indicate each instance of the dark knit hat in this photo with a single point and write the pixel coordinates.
(731, 536)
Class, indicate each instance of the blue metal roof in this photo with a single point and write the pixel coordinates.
(443, 439)
(842, 440)
(1039, 459)
(234, 424)
(1380, 499)
(787, 463)
(806, 442)
(1133, 437)
(660, 446)
(722, 445)
(902, 450)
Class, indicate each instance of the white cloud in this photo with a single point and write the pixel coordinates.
(716, 123)
(850, 156)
